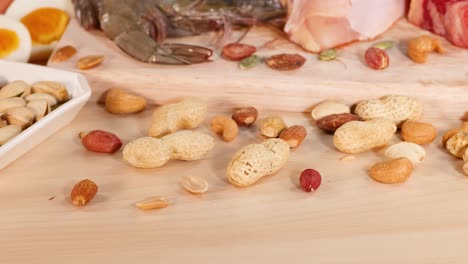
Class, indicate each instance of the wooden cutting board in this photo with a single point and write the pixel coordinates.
(224, 85)
(350, 219)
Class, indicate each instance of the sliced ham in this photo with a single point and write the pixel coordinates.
(448, 18)
(318, 25)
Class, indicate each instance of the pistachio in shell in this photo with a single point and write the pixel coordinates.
(8, 132)
(20, 116)
(14, 89)
(57, 90)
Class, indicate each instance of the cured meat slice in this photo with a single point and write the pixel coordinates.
(448, 18)
(318, 25)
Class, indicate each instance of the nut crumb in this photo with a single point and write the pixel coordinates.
(347, 158)
(194, 184)
(156, 202)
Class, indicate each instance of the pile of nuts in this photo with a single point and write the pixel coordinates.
(21, 105)
(373, 125)
(169, 139)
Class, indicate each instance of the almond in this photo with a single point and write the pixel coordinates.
(83, 192)
(119, 101)
(63, 54)
(331, 123)
(294, 136)
(245, 116)
(89, 62)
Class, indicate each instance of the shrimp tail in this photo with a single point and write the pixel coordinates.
(87, 13)
(142, 47)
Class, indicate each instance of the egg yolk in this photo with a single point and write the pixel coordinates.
(46, 25)
(9, 42)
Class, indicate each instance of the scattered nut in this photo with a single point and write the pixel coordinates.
(328, 108)
(418, 48)
(418, 132)
(457, 144)
(83, 192)
(294, 135)
(358, 136)
(186, 114)
(225, 126)
(57, 90)
(194, 184)
(51, 101)
(245, 116)
(252, 162)
(14, 89)
(465, 159)
(156, 202)
(189, 145)
(398, 108)
(394, 171)
(40, 108)
(63, 54)
(272, 126)
(101, 141)
(8, 103)
(310, 180)
(8, 132)
(412, 151)
(448, 135)
(20, 116)
(149, 152)
(89, 62)
(285, 62)
(376, 58)
(347, 158)
(451, 132)
(237, 51)
(332, 122)
(119, 101)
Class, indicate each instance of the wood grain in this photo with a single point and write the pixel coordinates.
(224, 85)
(350, 219)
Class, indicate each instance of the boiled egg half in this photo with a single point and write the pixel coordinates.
(15, 42)
(46, 21)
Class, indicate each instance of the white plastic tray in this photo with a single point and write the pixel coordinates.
(78, 89)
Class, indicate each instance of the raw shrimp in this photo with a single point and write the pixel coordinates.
(140, 27)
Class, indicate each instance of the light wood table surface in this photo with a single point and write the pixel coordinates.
(350, 219)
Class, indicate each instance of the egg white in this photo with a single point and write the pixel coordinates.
(20, 8)
(23, 51)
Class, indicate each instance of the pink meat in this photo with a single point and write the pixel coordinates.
(448, 18)
(318, 25)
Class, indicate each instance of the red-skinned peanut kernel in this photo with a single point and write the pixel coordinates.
(377, 59)
(310, 180)
(101, 141)
(238, 51)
